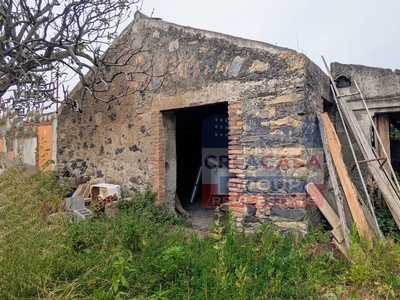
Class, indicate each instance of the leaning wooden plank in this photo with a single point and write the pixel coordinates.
(335, 184)
(336, 96)
(330, 215)
(178, 206)
(342, 247)
(347, 185)
(325, 208)
(370, 218)
(79, 190)
(338, 234)
(323, 205)
(88, 188)
(389, 193)
(84, 188)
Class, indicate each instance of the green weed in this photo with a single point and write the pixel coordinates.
(145, 253)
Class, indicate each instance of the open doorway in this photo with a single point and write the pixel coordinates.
(189, 135)
(394, 133)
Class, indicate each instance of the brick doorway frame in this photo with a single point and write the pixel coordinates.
(161, 164)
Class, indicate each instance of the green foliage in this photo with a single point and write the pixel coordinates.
(144, 254)
(385, 219)
(394, 132)
(387, 223)
(372, 269)
(47, 163)
(47, 183)
(28, 252)
(317, 234)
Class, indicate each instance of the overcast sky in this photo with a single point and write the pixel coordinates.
(354, 31)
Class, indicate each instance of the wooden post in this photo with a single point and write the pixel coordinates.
(347, 185)
(382, 126)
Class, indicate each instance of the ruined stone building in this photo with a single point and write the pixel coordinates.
(256, 103)
(243, 111)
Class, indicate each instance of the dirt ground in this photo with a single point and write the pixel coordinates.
(201, 218)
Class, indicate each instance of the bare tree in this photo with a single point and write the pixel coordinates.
(42, 41)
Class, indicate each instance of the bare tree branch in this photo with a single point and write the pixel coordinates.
(44, 41)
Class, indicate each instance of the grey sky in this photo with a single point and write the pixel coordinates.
(359, 31)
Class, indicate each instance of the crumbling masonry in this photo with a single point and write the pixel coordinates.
(271, 96)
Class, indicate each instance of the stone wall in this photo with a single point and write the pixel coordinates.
(273, 95)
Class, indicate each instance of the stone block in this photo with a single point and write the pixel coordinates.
(293, 97)
(259, 66)
(81, 214)
(248, 139)
(251, 211)
(173, 46)
(111, 209)
(251, 219)
(296, 214)
(74, 203)
(235, 66)
(287, 121)
(291, 226)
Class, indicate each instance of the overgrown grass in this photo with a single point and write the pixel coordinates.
(144, 253)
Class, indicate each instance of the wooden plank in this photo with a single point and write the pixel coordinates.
(79, 191)
(342, 247)
(389, 193)
(347, 185)
(330, 215)
(370, 218)
(88, 187)
(383, 130)
(178, 206)
(335, 183)
(338, 233)
(323, 205)
(84, 189)
(382, 126)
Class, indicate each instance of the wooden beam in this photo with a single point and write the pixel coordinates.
(330, 215)
(323, 205)
(179, 208)
(335, 183)
(382, 126)
(347, 185)
(388, 191)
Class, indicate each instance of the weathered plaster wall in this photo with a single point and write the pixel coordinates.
(30, 140)
(273, 95)
(380, 87)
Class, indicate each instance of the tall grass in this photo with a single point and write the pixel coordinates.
(27, 248)
(144, 253)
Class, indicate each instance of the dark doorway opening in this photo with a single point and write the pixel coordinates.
(189, 148)
(388, 127)
(394, 132)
